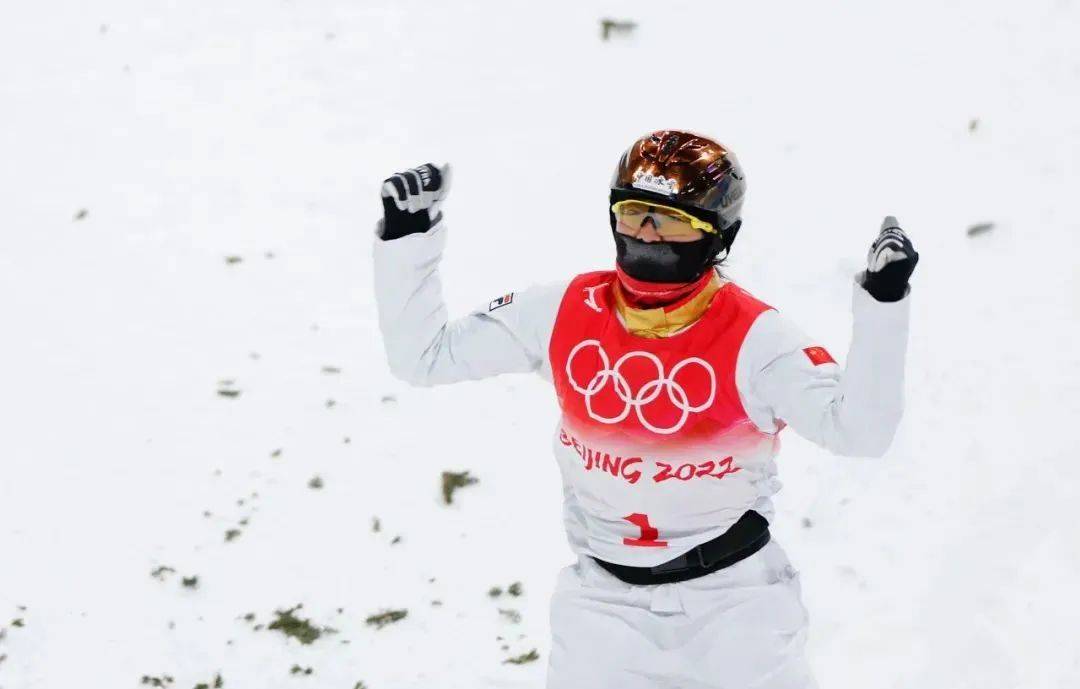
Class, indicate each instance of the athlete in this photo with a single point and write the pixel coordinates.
(674, 386)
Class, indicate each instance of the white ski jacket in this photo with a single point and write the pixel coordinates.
(620, 505)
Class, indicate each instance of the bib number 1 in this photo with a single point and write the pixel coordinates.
(649, 534)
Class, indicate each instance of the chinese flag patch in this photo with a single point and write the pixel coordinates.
(818, 356)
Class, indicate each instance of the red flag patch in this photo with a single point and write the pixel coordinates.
(818, 356)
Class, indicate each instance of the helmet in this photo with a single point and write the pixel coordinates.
(683, 170)
(686, 171)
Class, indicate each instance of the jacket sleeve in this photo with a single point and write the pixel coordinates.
(510, 334)
(784, 377)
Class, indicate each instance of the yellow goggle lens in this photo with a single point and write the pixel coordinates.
(673, 221)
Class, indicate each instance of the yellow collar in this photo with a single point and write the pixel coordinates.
(662, 322)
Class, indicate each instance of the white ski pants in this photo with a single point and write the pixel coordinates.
(743, 627)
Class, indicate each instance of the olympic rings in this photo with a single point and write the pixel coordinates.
(648, 392)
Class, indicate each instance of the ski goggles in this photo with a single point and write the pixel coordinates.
(669, 222)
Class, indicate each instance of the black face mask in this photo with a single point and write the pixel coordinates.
(678, 262)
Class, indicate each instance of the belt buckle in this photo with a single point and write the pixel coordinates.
(691, 559)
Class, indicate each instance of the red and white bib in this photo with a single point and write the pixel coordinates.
(656, 451)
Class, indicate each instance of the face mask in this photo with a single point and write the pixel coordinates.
(677, 262)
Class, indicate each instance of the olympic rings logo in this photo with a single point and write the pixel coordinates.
(648, 392)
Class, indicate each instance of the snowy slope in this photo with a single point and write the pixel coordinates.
(192, 132)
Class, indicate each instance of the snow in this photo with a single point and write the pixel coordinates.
(190, 132)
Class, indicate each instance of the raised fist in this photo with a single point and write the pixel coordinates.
(889, 264)
(411, 200)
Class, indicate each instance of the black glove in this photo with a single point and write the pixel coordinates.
(889, 265)
(411, 200)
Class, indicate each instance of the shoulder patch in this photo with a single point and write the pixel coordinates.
(499, 302)
(818, 356)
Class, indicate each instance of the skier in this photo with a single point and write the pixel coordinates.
(674, 384)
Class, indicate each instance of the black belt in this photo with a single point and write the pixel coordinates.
(743, 539)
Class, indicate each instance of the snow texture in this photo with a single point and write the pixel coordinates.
(188, 197)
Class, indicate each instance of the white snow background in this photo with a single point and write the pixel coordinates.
(193, 131)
